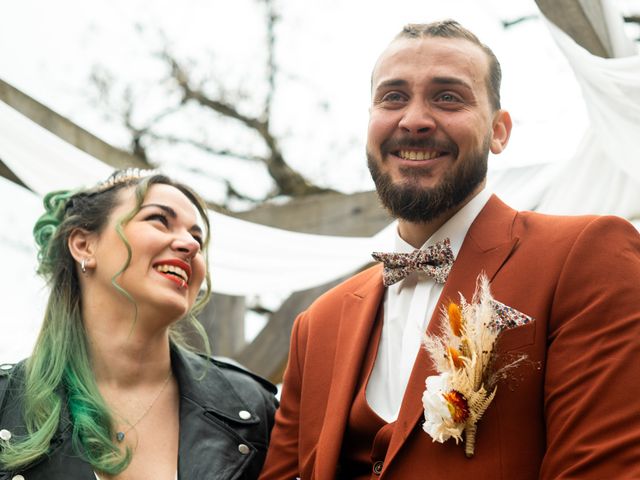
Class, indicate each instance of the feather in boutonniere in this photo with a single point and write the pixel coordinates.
(455, 399)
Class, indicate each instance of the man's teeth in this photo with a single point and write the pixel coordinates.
(173, 269)
(417, 155)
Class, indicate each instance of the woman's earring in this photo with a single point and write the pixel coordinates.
(83, 265)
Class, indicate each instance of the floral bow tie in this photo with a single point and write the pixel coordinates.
(436, 261)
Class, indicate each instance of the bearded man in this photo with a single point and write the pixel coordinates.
(565, 293)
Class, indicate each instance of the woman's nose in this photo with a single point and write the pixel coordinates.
(186, 244)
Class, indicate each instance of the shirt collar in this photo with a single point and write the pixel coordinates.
(455, 228)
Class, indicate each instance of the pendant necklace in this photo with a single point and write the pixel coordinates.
(121, 434)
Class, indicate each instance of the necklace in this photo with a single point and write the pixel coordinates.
(121, 434)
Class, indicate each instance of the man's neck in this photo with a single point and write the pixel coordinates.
(416, 234)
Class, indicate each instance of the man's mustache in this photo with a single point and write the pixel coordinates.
(395, 144)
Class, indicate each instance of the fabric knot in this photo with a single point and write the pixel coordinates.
(435, 261)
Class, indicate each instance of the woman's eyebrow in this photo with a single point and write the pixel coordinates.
(168, 210)
(172, 213)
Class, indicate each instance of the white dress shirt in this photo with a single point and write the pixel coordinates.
(408, 307)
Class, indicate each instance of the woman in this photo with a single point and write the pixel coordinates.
(110, 391)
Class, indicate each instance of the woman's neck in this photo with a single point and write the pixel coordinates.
(126, 352)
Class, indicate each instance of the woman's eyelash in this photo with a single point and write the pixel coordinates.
(165, 221)
(159, 216)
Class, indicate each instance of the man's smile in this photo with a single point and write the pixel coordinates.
(418, 154)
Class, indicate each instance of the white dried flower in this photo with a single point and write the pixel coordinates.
(438, 421)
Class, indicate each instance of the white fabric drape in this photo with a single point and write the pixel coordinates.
(604, 174)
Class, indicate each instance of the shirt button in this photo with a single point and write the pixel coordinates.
(17, 477)
(5, 435)
(243, 449)
(244, 415)
(377, 467)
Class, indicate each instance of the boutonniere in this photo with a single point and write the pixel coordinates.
(455, 399)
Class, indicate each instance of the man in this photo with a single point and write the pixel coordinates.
(352, 396)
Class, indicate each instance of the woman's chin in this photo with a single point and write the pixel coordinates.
(164, 313)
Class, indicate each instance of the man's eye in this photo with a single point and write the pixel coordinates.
(393, 97)
(448, 97)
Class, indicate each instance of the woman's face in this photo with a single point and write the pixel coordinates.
(167, 266)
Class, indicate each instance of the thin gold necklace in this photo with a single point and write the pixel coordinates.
(121, 434)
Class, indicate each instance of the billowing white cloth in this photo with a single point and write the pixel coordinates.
(23, 293)
(604, 174)
(43, 161)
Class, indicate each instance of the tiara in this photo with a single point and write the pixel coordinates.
(122, 177)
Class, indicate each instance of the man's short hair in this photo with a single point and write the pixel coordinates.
(452, 29)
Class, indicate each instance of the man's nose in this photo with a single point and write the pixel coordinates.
(417, 118)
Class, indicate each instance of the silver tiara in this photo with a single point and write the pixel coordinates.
(123, 176)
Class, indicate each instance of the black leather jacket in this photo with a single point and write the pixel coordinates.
(217, 441)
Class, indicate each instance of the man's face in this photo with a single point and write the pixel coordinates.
(431, 126)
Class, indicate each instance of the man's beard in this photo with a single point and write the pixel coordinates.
(411, 202)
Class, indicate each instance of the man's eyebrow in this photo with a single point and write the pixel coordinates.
(451, 81)
(393, 82)
(398, 82)
(172, 213)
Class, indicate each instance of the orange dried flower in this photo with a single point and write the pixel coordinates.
(455, 319)
(458, 406)
(454, 355)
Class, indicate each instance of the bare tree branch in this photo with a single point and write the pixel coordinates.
(272, 18)
(288, 181)
(137, 134)
(516, 21)
(233, 193)
(144, 133)
(632, 19)
(204, 147)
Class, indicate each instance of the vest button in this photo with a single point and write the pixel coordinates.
(244, 449)
(5, 435)
(17, 477)
(377, 467)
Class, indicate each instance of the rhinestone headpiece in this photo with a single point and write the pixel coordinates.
(123, 176)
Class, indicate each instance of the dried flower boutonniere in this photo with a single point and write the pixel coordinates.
(456, 398)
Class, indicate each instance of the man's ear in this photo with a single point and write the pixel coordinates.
(82, 245)
(501, 131)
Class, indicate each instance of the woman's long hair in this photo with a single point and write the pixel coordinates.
(59, 373)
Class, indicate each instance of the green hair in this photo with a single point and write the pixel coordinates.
(59, 369)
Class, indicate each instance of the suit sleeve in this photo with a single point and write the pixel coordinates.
(282, 457)
(592, 373)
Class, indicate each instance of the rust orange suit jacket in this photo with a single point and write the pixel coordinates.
(572, 412)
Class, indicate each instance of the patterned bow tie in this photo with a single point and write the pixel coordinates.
(436, 261)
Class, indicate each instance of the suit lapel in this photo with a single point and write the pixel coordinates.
(487, 246)
(358, 315)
